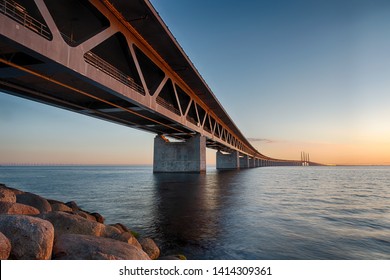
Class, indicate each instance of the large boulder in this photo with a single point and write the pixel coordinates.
(121, 227)
(110, 231)
(31, 237)
(99, 218)
(60, 207)
(150, 248)
(73, 205)
(85, 215)
(17, 208)
(70, 223)
(84, 247)
(34, 200)
(15, 191)
(128, 238)
(7, 195)
(53, 201)
(5, 247)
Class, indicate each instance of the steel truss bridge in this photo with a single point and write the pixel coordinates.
(114, 60)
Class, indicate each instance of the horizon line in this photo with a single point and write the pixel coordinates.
(141, 164)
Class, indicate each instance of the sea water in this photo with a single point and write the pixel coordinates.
(307, 213)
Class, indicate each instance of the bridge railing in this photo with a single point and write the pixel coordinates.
(167, 105)
(192, 120)
(112, 71)
(207, 129)
(18, 13)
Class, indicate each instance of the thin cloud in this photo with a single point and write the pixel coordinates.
(261, 140)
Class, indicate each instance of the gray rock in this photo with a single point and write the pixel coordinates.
(17, 208)
(69, 223)
(5, 247)
(84, 247)
(7, 195)
(150, 248)
(34, 200)
(31, 237)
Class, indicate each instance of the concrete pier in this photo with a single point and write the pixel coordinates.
(228, 161)
(252, 162)
(244, 162)
(189, 156)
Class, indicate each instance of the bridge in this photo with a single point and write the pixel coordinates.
(116, 60)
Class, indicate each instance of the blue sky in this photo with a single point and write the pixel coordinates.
(294, 75)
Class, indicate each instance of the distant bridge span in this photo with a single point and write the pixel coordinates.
(117, 61)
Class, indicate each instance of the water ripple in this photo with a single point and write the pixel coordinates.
(262, 213)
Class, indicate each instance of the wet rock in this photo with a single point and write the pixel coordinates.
(31, 237)
(5, 247)
(150, 248)
(7, 195)
(84, 247)
(68, 223)
(17, 208)
(34, 200)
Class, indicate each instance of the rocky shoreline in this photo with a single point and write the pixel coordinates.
(36, 228)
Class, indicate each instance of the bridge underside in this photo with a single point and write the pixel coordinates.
(116, 61)
(82, 56)
(26, 74)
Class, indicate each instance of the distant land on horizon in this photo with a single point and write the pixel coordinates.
(146, 165)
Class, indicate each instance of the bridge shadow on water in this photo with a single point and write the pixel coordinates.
(189, 211)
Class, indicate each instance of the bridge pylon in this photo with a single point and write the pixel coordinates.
(188, 156)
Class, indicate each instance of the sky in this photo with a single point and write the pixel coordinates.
(294, 76)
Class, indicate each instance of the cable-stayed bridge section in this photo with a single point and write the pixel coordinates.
(116, 60)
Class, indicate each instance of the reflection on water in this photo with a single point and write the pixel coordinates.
(262, 213)
(189, 210)
(288, 213)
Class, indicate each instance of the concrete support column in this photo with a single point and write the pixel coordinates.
(189, 156)
(244, 161)
(228, 161)
(252, 162)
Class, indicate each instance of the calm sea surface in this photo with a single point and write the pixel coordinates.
(262, 213)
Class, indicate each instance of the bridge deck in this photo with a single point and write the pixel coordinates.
(114, 60)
